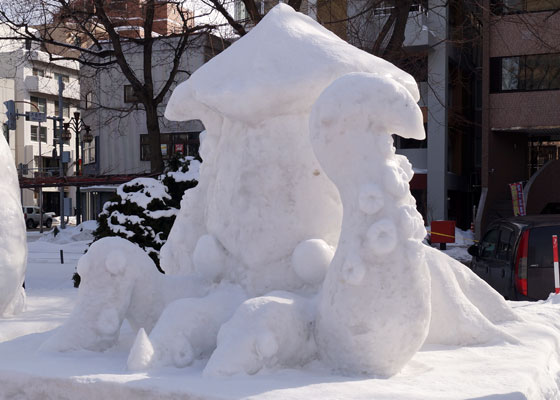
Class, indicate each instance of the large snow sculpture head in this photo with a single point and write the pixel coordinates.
(262, 193)
(13, 240)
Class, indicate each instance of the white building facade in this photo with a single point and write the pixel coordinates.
(31, 80)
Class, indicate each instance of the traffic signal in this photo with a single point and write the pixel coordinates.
(11, 114)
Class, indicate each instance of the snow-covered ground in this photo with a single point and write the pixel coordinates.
(528, 370)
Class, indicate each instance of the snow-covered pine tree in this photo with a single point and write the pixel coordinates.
(144, 209)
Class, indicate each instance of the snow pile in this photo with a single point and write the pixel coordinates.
(13, 242)
(259, 287)
(70, 234)
(374, 310)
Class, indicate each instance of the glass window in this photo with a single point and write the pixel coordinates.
(34, 130)
(65, 109)
(521, 6)
(525, 73)
(39, 103)
(88, 100)
(65, 78)
(505, 244)
(540, 246)
(129, 96)
(144, 148)
(489, 243)
(38, 72)
(90, 151)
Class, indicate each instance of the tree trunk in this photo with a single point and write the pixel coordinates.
(154, 139)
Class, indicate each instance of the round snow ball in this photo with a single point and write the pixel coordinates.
(108, 322)
(382, 237)
(184, 356)
(208, 257)
(115, 262)
(370, 198)
(310, 260)
(353, 271)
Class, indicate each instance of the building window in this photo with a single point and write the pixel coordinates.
(38, 72)
(88, 100)
(27, 44)
(525, 73)
(171, 144)
(129, 96)
(39, 103)
(144, 148)
(65, 109)
(65, 78)
(90, 151)
(521, 6)
(34, 130)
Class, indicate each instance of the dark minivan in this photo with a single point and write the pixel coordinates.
(515, 256)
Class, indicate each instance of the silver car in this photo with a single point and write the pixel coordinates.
(33, 217)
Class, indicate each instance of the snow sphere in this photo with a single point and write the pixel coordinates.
(208, 257)
(13, 239)
(310, 260)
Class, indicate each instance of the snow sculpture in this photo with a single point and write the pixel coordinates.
(13, 239)
(374, 310)
(269, 196)
(118, 281)
(254, 240)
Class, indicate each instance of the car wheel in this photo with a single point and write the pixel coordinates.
(48, 224)
(29, 223)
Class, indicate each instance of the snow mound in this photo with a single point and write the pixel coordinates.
(82, 232)
(13, 240)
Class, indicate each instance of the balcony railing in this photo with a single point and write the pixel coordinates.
(44, 85)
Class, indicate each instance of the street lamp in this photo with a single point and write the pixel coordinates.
(83, 132)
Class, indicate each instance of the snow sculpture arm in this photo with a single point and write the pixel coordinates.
(119, 281)
(13, 241)
(374, 307)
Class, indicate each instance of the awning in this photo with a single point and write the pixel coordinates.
(530, 131)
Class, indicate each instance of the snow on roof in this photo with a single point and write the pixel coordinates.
(280, 67)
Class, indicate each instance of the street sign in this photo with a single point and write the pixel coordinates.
(35, 116)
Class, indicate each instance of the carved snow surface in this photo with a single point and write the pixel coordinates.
(251, 282)
(374, 307)
(265, 332)
(118, 281)
(13, 246)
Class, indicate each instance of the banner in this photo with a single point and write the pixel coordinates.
(517, 198)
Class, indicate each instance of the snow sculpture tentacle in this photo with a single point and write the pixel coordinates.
(13, 245)
(119, 281)
(374, 307)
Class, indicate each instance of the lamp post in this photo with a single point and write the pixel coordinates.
(77, 125)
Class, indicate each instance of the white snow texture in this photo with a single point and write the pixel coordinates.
(13, 245)
(256, 284)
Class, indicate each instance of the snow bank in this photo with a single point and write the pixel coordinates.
(70, 234)
(13, 242)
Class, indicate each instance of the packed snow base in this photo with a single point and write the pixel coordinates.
(13, 244)
(255, 281)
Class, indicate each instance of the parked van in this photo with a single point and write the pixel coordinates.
(515, 256)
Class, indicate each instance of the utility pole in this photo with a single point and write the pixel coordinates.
(40, 170)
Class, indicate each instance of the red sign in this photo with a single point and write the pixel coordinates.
(443, 232)
(555, 258)
(179, 148)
